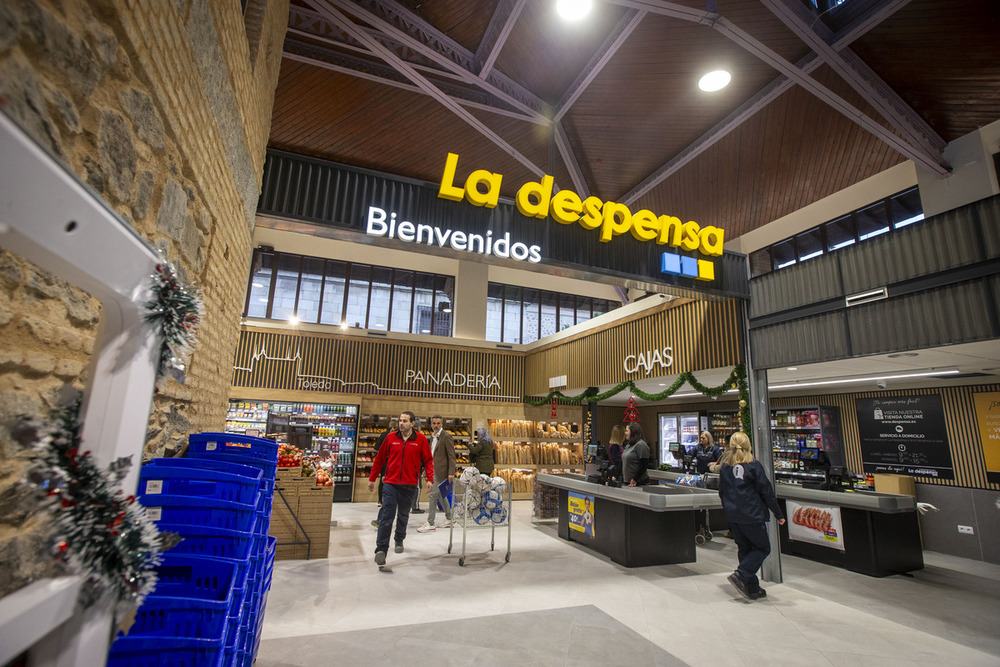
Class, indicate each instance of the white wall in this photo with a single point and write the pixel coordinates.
(973, 174)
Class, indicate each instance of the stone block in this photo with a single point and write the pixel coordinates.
(25, 103)
(146, 121)
(118, 155)
(39, 363)
(143, 193)
(69, 369)
(173, 210)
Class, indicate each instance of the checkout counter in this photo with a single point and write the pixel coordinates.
(635, 527)
(877, 534)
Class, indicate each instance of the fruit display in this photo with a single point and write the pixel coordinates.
(289, 456)
(323, 478)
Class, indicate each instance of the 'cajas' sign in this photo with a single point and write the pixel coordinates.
(535, 200)
(663, 358)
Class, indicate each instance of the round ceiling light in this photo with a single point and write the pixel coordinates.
(715, 80)
(902, 355)
(573, 10)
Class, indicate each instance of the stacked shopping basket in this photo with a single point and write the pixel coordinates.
(208, 606)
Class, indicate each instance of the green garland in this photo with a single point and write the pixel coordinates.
(737, 380)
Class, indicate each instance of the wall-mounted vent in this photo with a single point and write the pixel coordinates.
(501, 346)
(866, 297)
(380, 334)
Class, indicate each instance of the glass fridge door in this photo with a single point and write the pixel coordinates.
(668, 434)
(690, 428)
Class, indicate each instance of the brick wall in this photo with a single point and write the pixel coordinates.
(158, 107)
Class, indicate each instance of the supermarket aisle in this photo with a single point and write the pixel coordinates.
(556, 603)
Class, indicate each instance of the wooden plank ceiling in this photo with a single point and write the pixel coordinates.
(395, 86)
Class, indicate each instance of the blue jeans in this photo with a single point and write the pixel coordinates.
(396, 499)
(752, 548)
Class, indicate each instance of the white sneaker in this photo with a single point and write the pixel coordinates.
(445, 523)
(426, 528)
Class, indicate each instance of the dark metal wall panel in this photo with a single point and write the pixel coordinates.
(966, 235)
(945, 242)
(816, 280)
(804, 341)
(333, 195)
(949, 315)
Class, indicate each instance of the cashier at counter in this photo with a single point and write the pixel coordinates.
(635, 457)
(706, 452)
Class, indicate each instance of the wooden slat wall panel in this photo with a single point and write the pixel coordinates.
(960, 421)
(274, 360)
(702, 335)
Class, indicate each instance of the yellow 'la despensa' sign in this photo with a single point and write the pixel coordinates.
(535, 200)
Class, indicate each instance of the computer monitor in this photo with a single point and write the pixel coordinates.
(808, 454)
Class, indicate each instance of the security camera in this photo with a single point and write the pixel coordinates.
(880, 384)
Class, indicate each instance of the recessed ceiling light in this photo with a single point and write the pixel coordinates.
(715, 80)
(870, 378)
(573, 10)
(792, 368)
(902, 355)
(293, 320)
(425, 331)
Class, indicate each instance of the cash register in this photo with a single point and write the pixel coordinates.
(834, 477)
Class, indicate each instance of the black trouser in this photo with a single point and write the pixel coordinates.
(395, 504)
(752, 548)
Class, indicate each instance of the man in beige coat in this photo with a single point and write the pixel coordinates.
(443, 450)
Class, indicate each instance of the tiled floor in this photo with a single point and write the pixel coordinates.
(557, 603)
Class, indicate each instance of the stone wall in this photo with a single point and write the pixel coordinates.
(163, 108)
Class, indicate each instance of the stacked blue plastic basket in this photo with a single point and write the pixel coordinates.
(208, 606)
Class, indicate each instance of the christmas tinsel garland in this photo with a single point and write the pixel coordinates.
(174, 313)
(737, 380)
(97, 530)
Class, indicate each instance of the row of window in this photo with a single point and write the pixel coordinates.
(894, 212)
(284, 286)
(524, 314)
(313, 290)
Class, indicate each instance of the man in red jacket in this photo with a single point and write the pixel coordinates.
(402, 452)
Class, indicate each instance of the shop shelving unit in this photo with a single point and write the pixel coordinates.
(807, 427)
(723, 422)
(331, 427)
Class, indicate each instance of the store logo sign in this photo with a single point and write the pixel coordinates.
(536, 200)
(663, 358)
(691, 267)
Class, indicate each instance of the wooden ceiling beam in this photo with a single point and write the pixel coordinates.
(332, 14)
(614, 41)
(857, 74)
(442, 50)
(472, 98)
(932, 161)
(764, 97)
(497, 32)
(929, 160)
(569, 159)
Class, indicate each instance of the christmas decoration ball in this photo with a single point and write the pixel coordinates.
(743, 403)
(498, 484)
(484, 482)
(492, 500)
(468, 475)
(499, 515)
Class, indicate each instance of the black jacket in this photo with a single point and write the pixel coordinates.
(747, 494)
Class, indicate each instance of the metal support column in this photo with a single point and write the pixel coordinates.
(760, 410)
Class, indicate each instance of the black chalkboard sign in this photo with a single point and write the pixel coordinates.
(904, 435)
